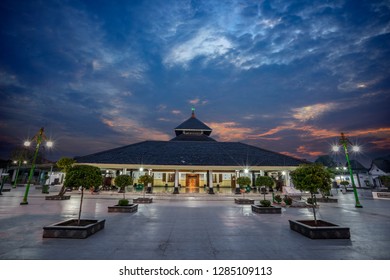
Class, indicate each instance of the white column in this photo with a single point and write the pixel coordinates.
(150, 174)
(176, 178)
(210, 179)
(124, 171)
(237, 176)
(287, 178)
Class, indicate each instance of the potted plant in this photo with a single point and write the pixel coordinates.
(266, 207)
(313, 178)
(85, 176)
(145, 180)
(65, 164)
(122, 181)
(244, 183)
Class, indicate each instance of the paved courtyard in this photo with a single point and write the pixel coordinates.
(199, 227)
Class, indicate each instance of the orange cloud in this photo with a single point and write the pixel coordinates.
(276, 130)
(305, 151)
(290, 154)
(382, 144)
(229, 131)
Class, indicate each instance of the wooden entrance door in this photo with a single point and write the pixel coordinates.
(192, 183)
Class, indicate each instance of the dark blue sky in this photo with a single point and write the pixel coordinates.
(288, 76)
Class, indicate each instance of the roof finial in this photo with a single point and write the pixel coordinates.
(193, 112)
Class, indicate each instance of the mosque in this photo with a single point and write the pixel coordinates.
(193, 160)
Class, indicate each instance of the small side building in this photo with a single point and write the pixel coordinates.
(380, 167)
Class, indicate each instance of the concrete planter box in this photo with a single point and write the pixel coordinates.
(57, 197)
(123, 209)
(244, 201)
(327, 200)
(143, 200)
(70, 229)
(323, 230)
(266, 210)
(381, 195)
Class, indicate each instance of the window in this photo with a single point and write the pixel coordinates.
(171, 177)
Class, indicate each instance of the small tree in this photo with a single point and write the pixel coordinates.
(344, 184)
(122, 181)
(243, 182)
(264, 181)
(385, 180)
(145, 180)
(65, 164)
(86, 176)
(312, 178)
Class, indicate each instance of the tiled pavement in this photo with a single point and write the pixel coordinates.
(185, 226)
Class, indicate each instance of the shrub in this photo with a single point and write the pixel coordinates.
(265, 203)
(123, 202)
(344, 183)
(264, 181)
(287, 200)
(244, 181)
(278, 199)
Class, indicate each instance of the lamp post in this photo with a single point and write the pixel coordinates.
(38, 138)
(343, 141)
(19, 163)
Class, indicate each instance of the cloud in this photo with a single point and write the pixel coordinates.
(198, 101)
(194, 101)
(382, 144)
(314, 111)
(206, 43)
(305, 151)
(176, 112)
(229, 131)
(127, 126)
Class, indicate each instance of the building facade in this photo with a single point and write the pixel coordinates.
(193, 160)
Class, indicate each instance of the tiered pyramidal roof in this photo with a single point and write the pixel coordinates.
(192, 130)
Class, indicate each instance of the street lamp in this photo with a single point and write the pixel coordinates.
(343, 141)
(38, 138)
(19, 163)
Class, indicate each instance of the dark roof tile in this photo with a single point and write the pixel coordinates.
(197, 153)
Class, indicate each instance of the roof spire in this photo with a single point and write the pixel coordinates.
(193, 112)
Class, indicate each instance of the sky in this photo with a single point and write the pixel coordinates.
(287, 76)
